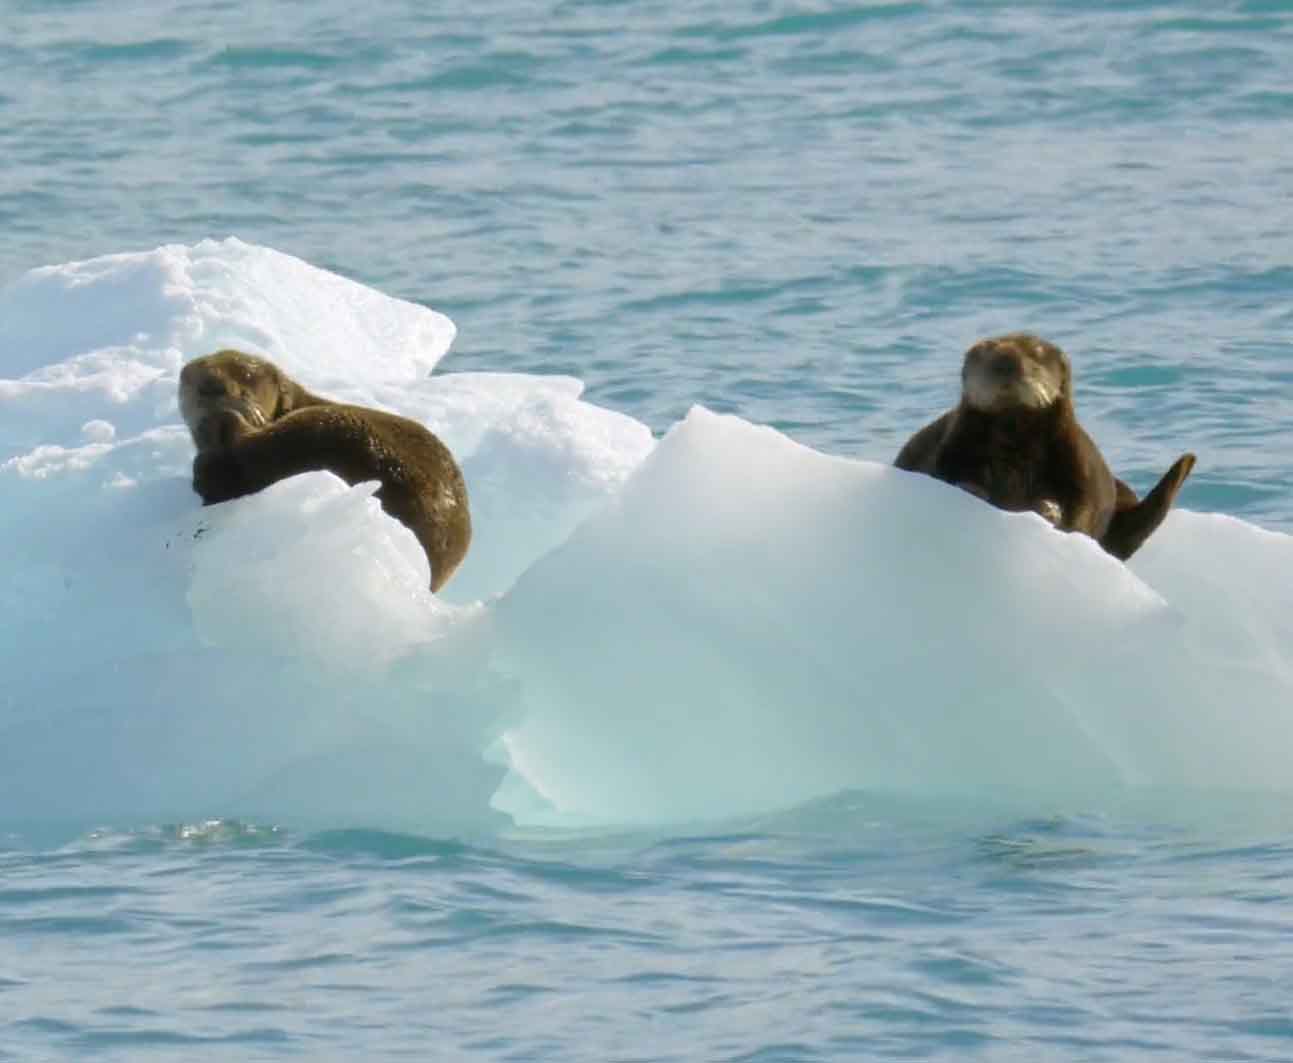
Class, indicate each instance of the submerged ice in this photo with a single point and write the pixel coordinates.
(719, 623)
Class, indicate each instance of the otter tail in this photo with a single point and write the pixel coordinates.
(1133, 522)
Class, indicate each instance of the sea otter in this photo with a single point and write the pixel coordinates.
(1015, 441)
(253, 426)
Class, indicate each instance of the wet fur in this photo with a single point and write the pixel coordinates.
(1021, 457)
(1038, 460)
(254, 426)
(1135, 521)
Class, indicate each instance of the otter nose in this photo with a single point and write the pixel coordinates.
(1004, 366)
(210, 386)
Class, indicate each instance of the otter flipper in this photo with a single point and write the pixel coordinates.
(1135, 521)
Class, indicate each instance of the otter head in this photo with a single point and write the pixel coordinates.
(227, 393)
(1018, 371)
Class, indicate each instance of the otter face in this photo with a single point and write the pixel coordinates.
(227, 392)
(1014, 371)
(220, 429)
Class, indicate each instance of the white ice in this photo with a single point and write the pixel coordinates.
(720, 623)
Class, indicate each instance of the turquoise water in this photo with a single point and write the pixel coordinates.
(852, 930)
(801, 213)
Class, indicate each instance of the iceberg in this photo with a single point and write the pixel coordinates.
(722, 622)
(159, 660)
(817, 624)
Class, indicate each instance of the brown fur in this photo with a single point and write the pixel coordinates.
(1135, 521)
(1015, 441)
(254, 426)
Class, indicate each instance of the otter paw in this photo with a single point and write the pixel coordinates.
(217, 477)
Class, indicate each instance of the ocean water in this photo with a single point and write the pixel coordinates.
(798, 213)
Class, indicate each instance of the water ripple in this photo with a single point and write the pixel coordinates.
(802, 213)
